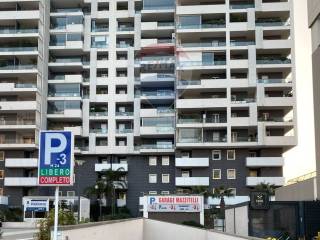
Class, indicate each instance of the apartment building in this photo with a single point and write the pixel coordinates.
(173, 94)
(314, 24)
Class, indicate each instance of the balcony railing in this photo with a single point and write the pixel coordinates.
(98, 114)
(17, 141)
(16, 31)
(158, 7)
(189, 82)
(100, 29)
(241, 6)
(274, 119)
(18, 49)
(201, 120)
(201, 26)
(154, 146)
(124, 45)
(125, 28)
(66, 10)
(201, 63)
(99, 130)
(158, 94)
(56, 94)
(242, 43)
(273, 81)
(243, 100)
(271, 23)
(25, 85)
(244, 139)
(18, 67)
(273, 61)
(124, 113)
(204, 44)
(17, 122)
(124, 131)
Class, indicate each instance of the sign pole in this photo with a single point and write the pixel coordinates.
(56, 214)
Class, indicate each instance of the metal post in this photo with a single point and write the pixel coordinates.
(79, 198)
(56, 214)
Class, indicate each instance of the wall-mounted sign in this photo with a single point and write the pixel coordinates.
(36, 205)
(175, 203)
(56, 158)
(259, 200)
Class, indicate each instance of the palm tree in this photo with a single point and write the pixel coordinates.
(106, 185)
(222, 192)
(266, 187)
(201, 190)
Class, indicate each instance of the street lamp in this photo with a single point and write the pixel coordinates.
(100, 210)
(78, 163)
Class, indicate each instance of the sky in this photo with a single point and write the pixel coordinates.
(301, 159)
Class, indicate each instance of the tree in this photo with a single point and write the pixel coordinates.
(220, 193)
(106, 186)
(266, 187)
(201, 190)
(65, 218)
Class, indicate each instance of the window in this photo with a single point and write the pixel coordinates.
(185, 154)
(1, 174)
(165, 178)
(252, 154)
(233, 191)
(71, 193)
(231, 174)
(152, 178)
(152, 161)
(153, 192)
(60, 194)
(216, 173)
(1, 155)
(216, 155)
(1, 192)
(165, 161)
(231, 155)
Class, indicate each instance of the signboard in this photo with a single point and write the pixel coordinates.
(36, 205)
(259, 200)
(175, 203)
(56, 160)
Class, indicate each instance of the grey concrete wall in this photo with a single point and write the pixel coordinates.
(302, 191)
(237, 221)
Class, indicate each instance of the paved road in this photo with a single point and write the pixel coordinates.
(18, 234)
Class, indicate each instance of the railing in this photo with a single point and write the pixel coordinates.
(272, 81)
(273, 61)
(19, 67)
(124, 45)
(98, 114)
(201, 63)
(102, 29)
(244, 139)
(158, 7)
(18, 122)
(204, 44)
(66, 60)
(125, 28)
(99, 130)
(56, 94)
(99, 45)
(243, 100)
(124, 113)
(165, 24)
(189, 82)
(158, 58)
(272, 23)
(190, 120)
(25, 85)
(274, 119)
(242, 43)
(202, 26)
(241, 6)
(66, 10)
(127, 130)
(154, 146)
(18, 49)
(16, 31)
(215, 140)
(158, 94)
(17, 141)
(165, 110)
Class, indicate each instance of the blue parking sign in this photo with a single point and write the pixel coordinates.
(56, 160)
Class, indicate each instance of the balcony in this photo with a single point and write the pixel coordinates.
(154, 77)
(254, 181)
(20, 14)
(203, 44)
(23, 31)
(74, 78)
(18, 105)
(219, 24)
(189, 64)
(21, 163)
(18, 50)
(192, 162)
(264, 162)
(65, 113)
(274, 61)
(192, 181)
(20, 181)
(236, 6)
(16, 68)
(100, 167)
(275, 81)
(272, 23)
(156, 130)
(155, 148)
(201, 103)
(124, 131)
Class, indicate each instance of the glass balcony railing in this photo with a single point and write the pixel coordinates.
(124, 131)
(204, 44)
(18, 122)
(241, 100)
(272, 23)
(154, 146)
(124, 45)
(165, 24)
(158, 7)
(273, 81)
(125, 28)
(25, 85)
(18, 31)
(98, 114)
(17, 141)
(100, 29)
(165, 110)
(18, 49)
(244, 139)
(124, 113)
(64, 94)
(66, 10)
(241, 6)
(242, 43)
(273, 61)
(66, 60)
(157, 93)
(221, 139)
(158, 58)
(201, 63)
(18, 67)
(202, 26)
(189, 82)
(274, 119)
(99, 130)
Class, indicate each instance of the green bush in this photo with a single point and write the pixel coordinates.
(45, 225)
